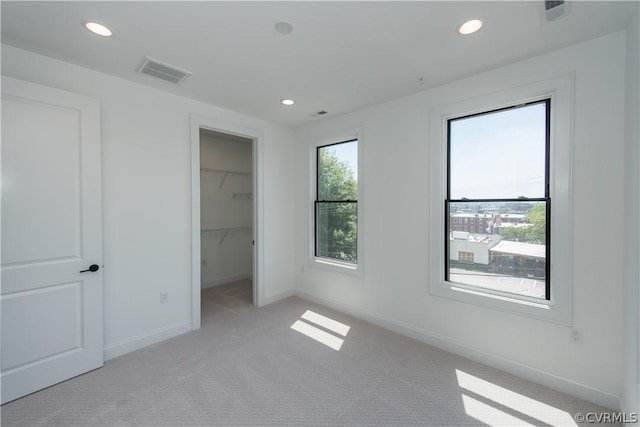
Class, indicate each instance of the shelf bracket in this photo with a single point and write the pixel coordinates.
(224, 236)
(224, 178)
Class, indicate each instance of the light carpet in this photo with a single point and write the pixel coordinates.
(246, 366)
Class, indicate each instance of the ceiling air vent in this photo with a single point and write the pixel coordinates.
(554, 9)
(161, 70)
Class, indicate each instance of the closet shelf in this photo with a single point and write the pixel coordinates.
(208, 170)
(243, 196)
(225, 231)
(225, 173)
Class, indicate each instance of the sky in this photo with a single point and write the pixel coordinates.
(348, 152)
(499, 155)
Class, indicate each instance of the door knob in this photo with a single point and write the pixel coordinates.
(92, 268)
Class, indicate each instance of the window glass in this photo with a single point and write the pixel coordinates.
(336, 210)
(337, 231)
(498, 183)
(499, 154)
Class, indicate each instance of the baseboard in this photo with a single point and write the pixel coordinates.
(225, 280)
(513, 367)
(141, 341)
(276, 297)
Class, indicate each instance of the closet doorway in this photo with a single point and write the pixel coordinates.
(225, 220)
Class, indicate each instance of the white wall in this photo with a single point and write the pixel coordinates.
(631, 383)
(225, 202)
(146, 198)
(394, 290)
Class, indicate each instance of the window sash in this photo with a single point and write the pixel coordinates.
(318, 148)
(546, 199)
(546, 102)
(318, 252)
(447, 243)
(319, 202)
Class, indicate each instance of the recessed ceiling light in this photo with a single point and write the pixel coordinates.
(287, 101)
(284, 27)
(470, 27)
(98, 29)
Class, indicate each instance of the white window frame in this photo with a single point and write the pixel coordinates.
(328, 263)
(558, 308)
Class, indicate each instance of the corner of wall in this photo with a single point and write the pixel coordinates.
(630, 398)
(129, 345)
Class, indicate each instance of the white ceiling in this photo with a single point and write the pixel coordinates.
(341, 56)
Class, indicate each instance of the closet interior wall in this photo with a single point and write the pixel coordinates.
(226, 198)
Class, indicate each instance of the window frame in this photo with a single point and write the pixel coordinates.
(316, 141)
(558, 307)
(318, 202)
(546, 199)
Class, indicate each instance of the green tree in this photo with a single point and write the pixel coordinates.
(537, 217)
(337, 226)
(514, 234)
(336, 180)
(534, 232)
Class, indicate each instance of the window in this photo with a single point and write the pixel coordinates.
(498, 165)
(336, 202)
(555, 96)
(465, 257)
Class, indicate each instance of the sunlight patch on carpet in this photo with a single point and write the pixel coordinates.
(327, 323)
(499, 403)
(319, 332)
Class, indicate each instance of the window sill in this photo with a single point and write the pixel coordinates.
(529, 307)
(336, 266)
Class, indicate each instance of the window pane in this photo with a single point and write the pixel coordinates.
(499, 155)
(338, 171)
(337, 231)
(499, 246)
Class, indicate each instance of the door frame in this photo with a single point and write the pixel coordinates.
(202, 122)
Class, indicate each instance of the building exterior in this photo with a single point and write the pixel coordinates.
(483, 223)
(518, 259)
(489, 251)
(469, 248)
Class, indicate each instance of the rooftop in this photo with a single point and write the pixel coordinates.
(474, 238)
(485, 215)
(520, 248)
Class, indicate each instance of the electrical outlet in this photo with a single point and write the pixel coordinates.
(576, 336)
(164, 297)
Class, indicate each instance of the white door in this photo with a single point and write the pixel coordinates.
(51, 230)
